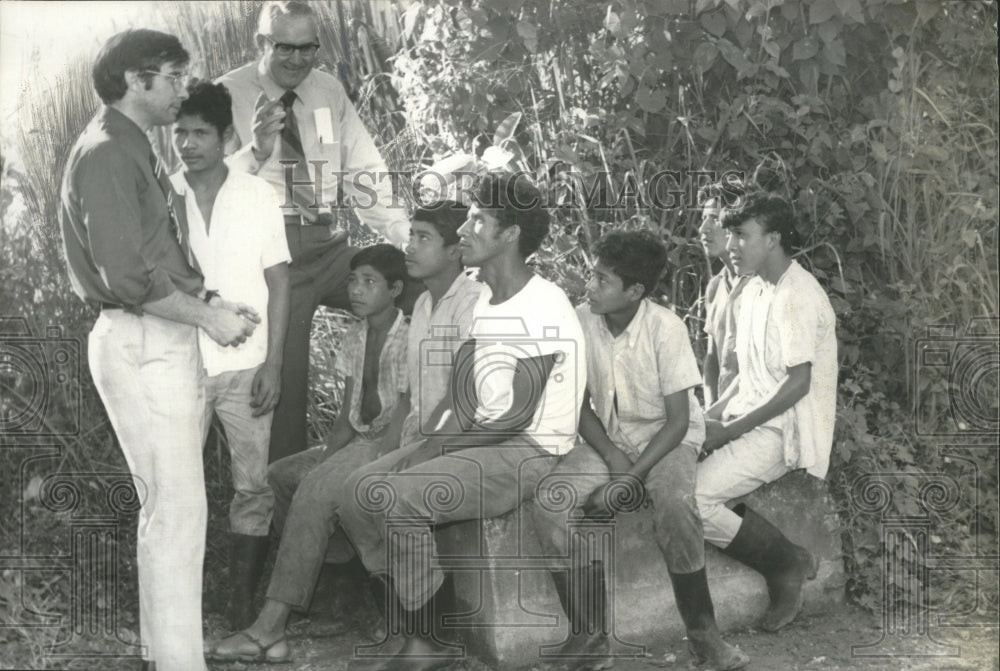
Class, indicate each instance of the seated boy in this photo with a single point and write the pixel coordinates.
(373, 364)
(432, 255)
(237, 237)
(721, 298)
(779, 413)
(515, 392)
(643, 426)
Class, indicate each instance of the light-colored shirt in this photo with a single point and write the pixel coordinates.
(783, 325)
(436, 333)
(331, 132)
(245, 236)
(651, 359)
(392, 379)
(537, 321)
(721, 314)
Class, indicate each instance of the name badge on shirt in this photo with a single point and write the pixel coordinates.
(324, 125)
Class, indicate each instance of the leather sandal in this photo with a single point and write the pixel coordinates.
(261, 655)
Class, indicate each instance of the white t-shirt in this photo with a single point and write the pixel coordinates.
(247, 235)
(537, 321)
(783, 325)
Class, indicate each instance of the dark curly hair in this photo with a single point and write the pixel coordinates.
(774, 214)
(388, 260)
(637, 257)
(446, 216)
(515, 201)
(211, 102)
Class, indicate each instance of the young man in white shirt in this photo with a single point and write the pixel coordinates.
(515, 394)
(238, 242)
(779, 413)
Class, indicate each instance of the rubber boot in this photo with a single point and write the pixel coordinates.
(785, 565)
(694, 602)
(583, 595)
(424, 649)
(247, 555)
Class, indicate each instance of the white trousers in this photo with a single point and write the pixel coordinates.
(148, 373)
(736, 469)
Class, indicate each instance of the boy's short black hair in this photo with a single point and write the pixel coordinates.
(211, 102)
(515, 201)
(637, 257)
(446, 216)
(389, 261)
(774, 214)
(136, 50)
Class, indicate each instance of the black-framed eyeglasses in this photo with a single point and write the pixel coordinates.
(180, 81)
(283, 49)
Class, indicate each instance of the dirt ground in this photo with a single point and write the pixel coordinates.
(815, 642)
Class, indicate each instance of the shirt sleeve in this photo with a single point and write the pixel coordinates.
(675, 361)
(710, 291)
(110, 199)
(275, 249)
(797, 318)
(368, 179)
(463, 313)
(399, 360)
(550, 308)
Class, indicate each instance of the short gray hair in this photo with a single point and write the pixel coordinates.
(277, 9)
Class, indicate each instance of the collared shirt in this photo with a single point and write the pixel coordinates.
(721, 312)
(119, 241)
(536, 321)
(331, 132)
(628, 376)
(783, 325)
(436, 333)
(245, 236)
(392, 380)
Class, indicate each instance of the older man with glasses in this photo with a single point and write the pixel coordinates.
(296, 128)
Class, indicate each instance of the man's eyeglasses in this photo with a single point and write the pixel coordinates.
(283, 49)
(180, 81)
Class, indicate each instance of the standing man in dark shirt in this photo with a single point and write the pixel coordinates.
(126, 252)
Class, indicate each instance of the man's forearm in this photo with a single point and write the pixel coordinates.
(593, 431)
(277, 312)
(788, 392)
(180, 307)
(663, 443)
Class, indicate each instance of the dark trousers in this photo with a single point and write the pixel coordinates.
(318, 276)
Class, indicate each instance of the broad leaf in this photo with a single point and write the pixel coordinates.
(506, 128)
(651, 100)
(822, 10)
(714, 23)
